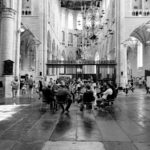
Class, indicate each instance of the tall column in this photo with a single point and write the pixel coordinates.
(7, 45)
(7, 34)
(117, 41)
(18, 25)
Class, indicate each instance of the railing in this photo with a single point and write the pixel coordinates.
(141, 12)
(88, 62)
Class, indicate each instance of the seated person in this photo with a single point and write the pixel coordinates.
(88, 98)
(106, 93)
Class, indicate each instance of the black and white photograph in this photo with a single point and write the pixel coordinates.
(74, 74)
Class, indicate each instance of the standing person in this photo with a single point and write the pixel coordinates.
(15, 86)
(31, 84)
(40, 88)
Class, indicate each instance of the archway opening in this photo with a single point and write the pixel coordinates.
(28, 46)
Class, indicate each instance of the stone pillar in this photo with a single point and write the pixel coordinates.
(123, 66)
(117, 41)
(7, 34)
(7, 46)
(17, 48)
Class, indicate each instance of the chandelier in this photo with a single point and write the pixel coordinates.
(92, 17)
(91, 27)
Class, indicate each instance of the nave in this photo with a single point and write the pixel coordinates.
(124, 127)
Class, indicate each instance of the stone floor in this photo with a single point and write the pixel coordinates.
(124, 127)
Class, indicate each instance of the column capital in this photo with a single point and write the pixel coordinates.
(8, 13)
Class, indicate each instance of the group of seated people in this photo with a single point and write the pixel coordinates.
(63, 94)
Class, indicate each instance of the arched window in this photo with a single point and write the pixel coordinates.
(70, 21)
(79, 22)
(63, 20)
(139, 55)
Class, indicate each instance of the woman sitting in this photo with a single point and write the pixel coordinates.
(106, 96)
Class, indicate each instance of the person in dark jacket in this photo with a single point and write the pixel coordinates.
(63, 97)
(88, 98)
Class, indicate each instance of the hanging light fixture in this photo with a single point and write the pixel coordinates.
(92, 19)
(91, 25)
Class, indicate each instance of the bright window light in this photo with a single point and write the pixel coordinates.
(70, 21)
(140, 55)
(63, 20)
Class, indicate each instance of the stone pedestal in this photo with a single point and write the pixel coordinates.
(6, 80)
(7, 85)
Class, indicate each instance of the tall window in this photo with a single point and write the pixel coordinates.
(79, 22)
(63, 37)
(63, 20)
(26, 7)
(139, 55)
(70, 21)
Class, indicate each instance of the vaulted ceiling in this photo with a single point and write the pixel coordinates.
(76, 4)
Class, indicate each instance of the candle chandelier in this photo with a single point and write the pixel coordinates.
(91, 27)
(92, 20)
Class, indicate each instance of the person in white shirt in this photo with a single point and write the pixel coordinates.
(108, 92)
(15, 87)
